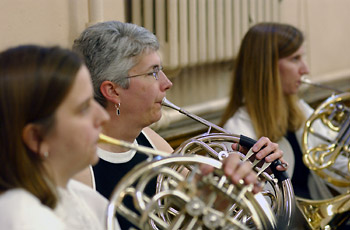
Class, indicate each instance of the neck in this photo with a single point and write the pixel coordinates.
(121, 129)
(59, 177)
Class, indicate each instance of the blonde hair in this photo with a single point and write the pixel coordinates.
(256, 80)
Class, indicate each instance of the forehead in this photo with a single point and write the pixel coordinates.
(299, 51)
(147, 60)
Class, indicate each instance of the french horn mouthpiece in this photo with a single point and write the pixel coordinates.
(307, 81)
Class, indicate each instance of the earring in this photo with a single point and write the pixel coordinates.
(117, 112)
(46, 154)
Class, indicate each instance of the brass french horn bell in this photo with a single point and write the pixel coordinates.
(334, 116)
(186, 201)
(326, 151)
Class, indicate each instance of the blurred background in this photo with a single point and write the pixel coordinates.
(199, 40)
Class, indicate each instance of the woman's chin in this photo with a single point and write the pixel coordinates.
(156, 118)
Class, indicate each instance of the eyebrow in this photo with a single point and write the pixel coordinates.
(83, 104)
(154, 66)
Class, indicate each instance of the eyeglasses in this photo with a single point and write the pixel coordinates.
(154, 74)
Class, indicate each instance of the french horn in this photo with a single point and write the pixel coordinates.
(216, 143)
(326, 151)
(182, 202)
(191, 201)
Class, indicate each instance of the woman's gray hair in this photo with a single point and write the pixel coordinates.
(110, 49)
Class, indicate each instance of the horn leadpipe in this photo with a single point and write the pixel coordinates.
(109, 140)
(308, 82)
(167, 103)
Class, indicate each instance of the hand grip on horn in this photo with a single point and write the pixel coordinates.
(249, 142)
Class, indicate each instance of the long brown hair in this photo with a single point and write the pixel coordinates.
(33, 82)
(256, 81)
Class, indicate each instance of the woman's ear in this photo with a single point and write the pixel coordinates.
(110, 91)
(32, 138)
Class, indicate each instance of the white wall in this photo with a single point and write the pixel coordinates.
(52, 22)
(327, 29)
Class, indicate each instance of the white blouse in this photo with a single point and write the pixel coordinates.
(240, 123)
(79, 208)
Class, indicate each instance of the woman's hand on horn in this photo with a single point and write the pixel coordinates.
(264, 148)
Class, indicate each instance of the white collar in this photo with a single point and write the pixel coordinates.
(116, 158)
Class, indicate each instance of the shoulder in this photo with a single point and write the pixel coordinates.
(156, 140)
(240, 123)
(87, 193)
(19, 196)
(21, 210)
(306, 108)
(240, 116)
(96, 203)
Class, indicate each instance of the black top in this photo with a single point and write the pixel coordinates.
(107, 175)
(301, 172)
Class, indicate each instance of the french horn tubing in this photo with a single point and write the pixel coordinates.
(307, 81)
(278, 190)
(326, 151)
(189, 201)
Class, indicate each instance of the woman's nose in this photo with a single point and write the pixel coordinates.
(102, 115)
(165, 82)
(304, 68)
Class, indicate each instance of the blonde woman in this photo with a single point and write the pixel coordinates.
(264, 100)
